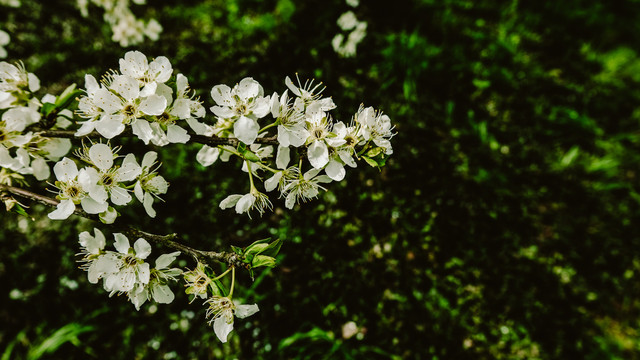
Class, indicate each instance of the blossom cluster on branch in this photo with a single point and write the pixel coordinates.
(286, 142)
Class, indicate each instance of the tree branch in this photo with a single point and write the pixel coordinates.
(229, 258)
(201, 139)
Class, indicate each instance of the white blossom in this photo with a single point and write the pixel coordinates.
(244, 104)
(221, 310)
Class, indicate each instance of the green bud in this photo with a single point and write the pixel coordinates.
(262, 260)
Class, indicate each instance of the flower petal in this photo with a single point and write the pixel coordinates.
(102, 156)
(64, 209)
(222, 328)
(142, 248)
(246, 130)
(243, 311)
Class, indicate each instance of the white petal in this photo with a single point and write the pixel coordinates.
(335, 170)
(93, 207)
(246, 129)
(294, 89)
(148, 89)
(143, 272)
(142, 130)
(158, 185)
(248, 88)
(197, 127)
(91, 85)
(271, 183)
(120, 196)
(230, 201)
(207, 155)
(109, 216)
(102, 156)
(318, 154)
(142, 248)
(160, 69)
(243, 311)
(221, 94)
(127, 87)
(222, 328)
(245, 203)
(163, 261)
(162, 294)
(122, 243)
(40, 169)
(110, 126)
(283, 157)
(64, 209)
(134, 64)
(149, 158)
(148, 205)
(129, 169)
(153, 105)
(176, 134)
(107, 101)
(137, 190)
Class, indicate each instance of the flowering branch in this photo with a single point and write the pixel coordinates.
(201, 139)
(230, 258)
(288, 143)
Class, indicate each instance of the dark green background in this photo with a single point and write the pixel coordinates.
(505, 225)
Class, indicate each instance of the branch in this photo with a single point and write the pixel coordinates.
(201, 139)
(230, 258)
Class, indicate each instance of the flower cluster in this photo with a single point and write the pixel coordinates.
(21, 150)
(103, 182)
(139, 97)
(125, 270)
(300, 115)
(127, 29)
(357, 30)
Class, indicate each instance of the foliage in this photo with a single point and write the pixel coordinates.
(503, 227)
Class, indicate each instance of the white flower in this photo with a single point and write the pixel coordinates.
(135, 65)
(116, 111)
(244, 104)
(291, 120)
(375, 127)
(310, 95)
(157, 288)
(197, 282)
(133, 270)
(149, 184)
(77, 187)
(96, 261)
(15, 82)
(304, 187)
(222, 310)
(347, 21)
(254, 199)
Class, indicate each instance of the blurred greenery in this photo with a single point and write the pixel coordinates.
(504, 226)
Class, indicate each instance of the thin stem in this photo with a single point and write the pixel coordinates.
(233, 281)
(229, 258)
(268, 126)
(223, 274)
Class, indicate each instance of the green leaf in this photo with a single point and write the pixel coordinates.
(20, 210)
(370, 161)
(273, 248)
(47, 109)
(68, 95)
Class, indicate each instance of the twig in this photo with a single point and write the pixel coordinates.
(201, 139)
(230, 258)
